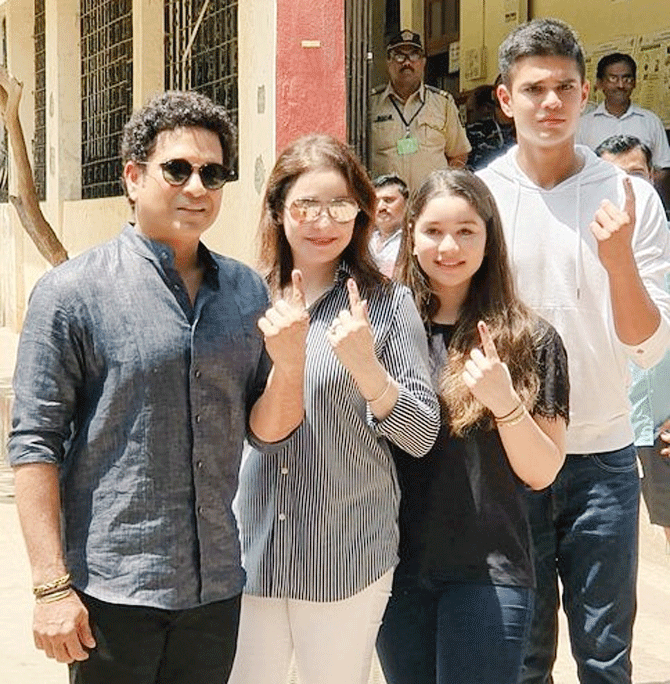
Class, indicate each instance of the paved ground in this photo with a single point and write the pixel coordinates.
(20, 663)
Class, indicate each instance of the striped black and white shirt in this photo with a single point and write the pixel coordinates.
(319, 512)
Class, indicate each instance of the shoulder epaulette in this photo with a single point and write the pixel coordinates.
(439, 91)
(378, 89)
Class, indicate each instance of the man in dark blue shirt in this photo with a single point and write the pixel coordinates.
(140, 370)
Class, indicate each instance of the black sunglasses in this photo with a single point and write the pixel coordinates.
(213, 176)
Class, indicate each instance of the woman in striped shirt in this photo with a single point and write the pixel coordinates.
(463, 590)
(318, 511)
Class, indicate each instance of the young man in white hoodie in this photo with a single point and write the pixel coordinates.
(589, 248)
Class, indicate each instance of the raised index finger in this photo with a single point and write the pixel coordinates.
(354, 298)
(629, 201)
(298, 291)
(488, 345)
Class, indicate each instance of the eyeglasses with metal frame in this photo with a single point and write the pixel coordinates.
(306, 210)
(627, 79)
(399, 56)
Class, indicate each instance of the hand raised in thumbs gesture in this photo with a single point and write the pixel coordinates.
(488, 378)
(285, 328)
(613, 229)
(350, 334)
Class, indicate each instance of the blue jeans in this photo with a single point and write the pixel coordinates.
(454, 633)
(585, 531)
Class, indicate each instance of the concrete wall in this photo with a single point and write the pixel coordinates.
(81, 224)
(411, 15)
(484, 24)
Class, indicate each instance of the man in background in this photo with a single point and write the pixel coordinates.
(489, 130)
(392, 196)
(650, 389)
(616, 77)
(415, 128)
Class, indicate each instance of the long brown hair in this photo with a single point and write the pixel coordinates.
(309, 153)
(491, 297)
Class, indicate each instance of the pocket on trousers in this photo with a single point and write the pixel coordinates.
(620, 461)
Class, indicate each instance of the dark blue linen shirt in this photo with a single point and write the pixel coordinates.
(142, 400)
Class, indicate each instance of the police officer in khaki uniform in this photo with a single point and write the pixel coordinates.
(414, 127)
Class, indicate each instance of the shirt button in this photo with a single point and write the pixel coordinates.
(199, 510)
(281, 517)
(199, 465)
(284, 471)
(197, 374)
(197, 418)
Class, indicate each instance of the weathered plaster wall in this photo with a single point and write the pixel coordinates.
(311, 83)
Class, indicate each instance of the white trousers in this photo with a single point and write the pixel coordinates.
(332, 642)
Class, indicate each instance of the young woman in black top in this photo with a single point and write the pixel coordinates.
(463, 591)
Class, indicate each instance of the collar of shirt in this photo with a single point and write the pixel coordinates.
(162, 255)
(632, 110)
(380, 239)
(420, 94)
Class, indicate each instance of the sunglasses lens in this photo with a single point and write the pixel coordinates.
(213, 176)
(304, 211)
(307, 211)
(176, 171)
(343, 211)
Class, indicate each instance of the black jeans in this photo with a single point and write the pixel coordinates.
(138, 645)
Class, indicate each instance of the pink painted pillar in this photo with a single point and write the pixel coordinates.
(311, 81)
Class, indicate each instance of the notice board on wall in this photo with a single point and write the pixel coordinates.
(651, 52)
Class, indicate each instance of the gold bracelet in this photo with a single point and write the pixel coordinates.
(384, 391)
(507, 415)
(42, 589)
(513, 420)
(43, 594)
(54, 596)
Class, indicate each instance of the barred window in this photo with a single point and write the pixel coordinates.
(106, 92)
(40, 139)
(4, 151)
(201, 50)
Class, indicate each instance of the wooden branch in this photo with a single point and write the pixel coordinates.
(26, 204)
(41, 233)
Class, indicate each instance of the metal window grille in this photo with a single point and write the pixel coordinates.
(358, 22)
(4, 151)
(106, 92)
(201, 50)
(40, 139)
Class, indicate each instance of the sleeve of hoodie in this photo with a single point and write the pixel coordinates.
(651, 247)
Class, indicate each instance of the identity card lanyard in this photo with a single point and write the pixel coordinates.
(408, 144)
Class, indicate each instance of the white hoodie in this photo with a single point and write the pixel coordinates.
(558, 274)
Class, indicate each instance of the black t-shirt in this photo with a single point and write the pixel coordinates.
(462, 512)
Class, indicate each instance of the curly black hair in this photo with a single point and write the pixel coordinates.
(174, 109)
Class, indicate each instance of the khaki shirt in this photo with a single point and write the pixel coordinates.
(433, 122)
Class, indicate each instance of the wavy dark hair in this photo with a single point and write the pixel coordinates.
(310, 153)
(491, 298)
